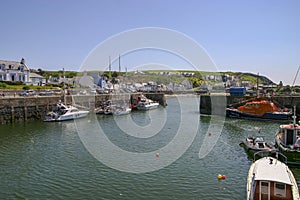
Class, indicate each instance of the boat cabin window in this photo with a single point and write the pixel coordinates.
(280, 190)
(290, 137)
(261, 145)
(258, 139)
(264, 187)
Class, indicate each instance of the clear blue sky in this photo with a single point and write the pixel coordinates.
(249, 36)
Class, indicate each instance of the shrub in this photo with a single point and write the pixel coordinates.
(3, 85)
(12, 82)
(26, 87)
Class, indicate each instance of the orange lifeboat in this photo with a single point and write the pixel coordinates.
(259, 109)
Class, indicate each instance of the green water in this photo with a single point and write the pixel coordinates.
(50, 161)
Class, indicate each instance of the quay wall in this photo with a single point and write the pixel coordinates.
(18, 109)
(212, 104)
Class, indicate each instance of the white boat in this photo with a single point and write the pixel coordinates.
(121, 110)
(147, 104)
(99, 110)
(64, 113)
(268, 179)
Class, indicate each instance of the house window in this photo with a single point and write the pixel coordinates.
(20, 77)
(21, 68)
(2, 67)
(4, 77)
(0, 77)
(280, 190)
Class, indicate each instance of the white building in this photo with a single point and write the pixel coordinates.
(36, 79)
(14, 71)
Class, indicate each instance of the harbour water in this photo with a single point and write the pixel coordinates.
(52, 161)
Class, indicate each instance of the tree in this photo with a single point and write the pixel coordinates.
(114, 74)
(40, 72)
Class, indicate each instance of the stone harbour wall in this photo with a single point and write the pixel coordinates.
(18, 109)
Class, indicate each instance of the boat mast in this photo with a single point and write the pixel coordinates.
(64, 87)
(257, 92)
(296, 76)
(119, 63)
(109, 65)
(294, 116)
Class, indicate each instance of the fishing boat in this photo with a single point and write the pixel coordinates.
(258, 144)
(259, 109)
(147, 104)
(269, 178)
(64, 113)
(287, 140)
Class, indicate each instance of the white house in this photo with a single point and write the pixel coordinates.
(14, 71)
(36, 79)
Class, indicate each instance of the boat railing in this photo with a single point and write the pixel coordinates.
(274, 153)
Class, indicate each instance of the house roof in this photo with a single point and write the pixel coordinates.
(13, 65)
(34, 75)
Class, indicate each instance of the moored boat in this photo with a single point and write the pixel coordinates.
(99, 110)
(269, 178)
(264, 110)
(64, 113)
(258, 144)
(287, 140)
(147, 104)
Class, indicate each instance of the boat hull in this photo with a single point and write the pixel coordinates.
(81, 114)
(234, 113)
(250, 151)
(148, 107)
(292, 155)
(122, 111)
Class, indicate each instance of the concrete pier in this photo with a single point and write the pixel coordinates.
(18, 109)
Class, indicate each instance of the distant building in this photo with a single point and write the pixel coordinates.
(99, 80)
(36, 79)
(86, 80)
(14, 71)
